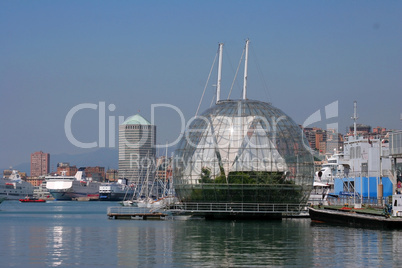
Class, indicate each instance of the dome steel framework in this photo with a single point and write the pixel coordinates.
(243, 151)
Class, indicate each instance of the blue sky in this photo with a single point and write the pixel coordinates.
(304, 55)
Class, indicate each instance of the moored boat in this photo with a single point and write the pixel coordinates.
(14, 188)
(32, 200)
(116, 191)
(77, 187)
(159, 203)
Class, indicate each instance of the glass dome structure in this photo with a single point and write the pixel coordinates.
(243, 151)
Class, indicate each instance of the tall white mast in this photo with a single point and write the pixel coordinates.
(245, 72)
(218, 86)
(354, 118)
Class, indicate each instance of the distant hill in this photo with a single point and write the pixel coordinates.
(103, 157)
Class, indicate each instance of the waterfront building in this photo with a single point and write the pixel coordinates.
(35, 181)
(324, 141)
(112, 175)
(66, 169)
(137, 149)
(381, 131)
(96, 173)
(361, 130)
(40, 164)
(310, 133)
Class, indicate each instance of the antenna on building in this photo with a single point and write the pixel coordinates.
(218, 86)
(245, 72)
(354, 118)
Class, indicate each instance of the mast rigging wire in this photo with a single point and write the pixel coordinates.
(206, 84)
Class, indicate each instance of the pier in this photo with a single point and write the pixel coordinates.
(210, 210)
(134, 213)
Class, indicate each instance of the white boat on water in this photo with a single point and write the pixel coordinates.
(63, 187)
(14, 188)
(323, 185)
(116, 191)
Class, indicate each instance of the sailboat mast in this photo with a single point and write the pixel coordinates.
(218, 86)
(165, 184)
(245, 72)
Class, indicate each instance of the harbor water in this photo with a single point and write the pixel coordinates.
(71, 233)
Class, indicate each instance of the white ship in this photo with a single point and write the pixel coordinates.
(14, 187)
(72, 187)
(362, 172)
(116, 191)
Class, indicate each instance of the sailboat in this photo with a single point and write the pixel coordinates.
(167, 196)
(141, 193)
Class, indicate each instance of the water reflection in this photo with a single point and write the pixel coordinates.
(356, 246)
(73, 236)
(272, 243)
(244, 243)
(146, 244)
(211, 243)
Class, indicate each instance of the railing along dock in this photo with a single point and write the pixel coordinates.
(203, 209)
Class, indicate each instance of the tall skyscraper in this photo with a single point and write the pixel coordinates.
(137, 140)
(40, 164)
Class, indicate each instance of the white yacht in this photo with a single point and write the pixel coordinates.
(14, 187)
(337, 166)
(63, 187)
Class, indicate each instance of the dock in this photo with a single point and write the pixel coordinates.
(244, 211)
(134, 213)
(191, 211)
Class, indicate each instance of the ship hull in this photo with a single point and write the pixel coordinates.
(112, 196)
(354, 219)
(73, 190)
(115, 192)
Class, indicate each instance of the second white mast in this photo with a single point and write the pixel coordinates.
(218, 86)
(245, 72)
